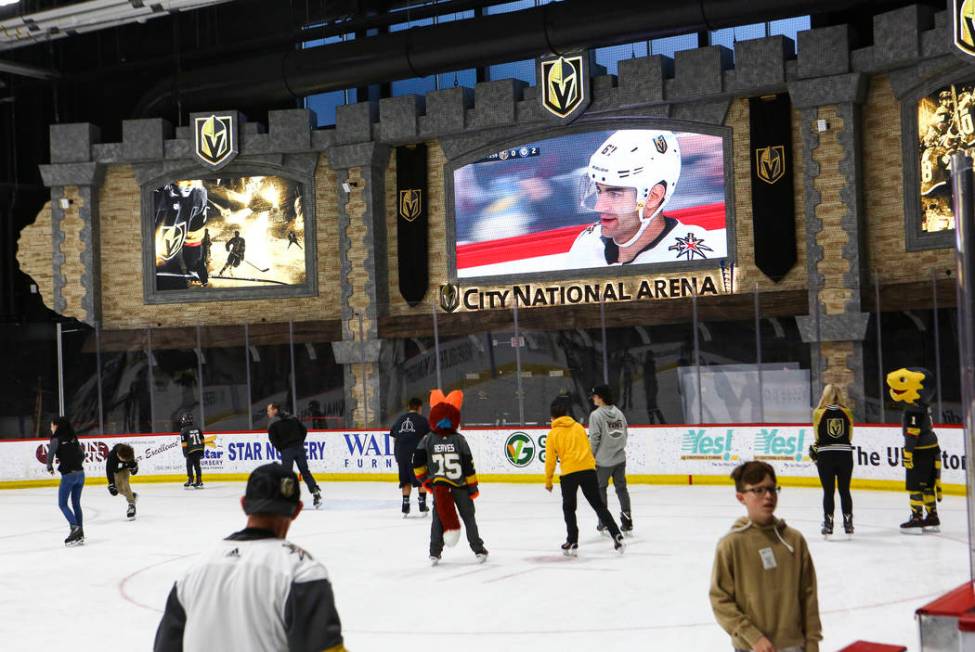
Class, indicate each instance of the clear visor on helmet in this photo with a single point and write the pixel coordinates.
(604, 198)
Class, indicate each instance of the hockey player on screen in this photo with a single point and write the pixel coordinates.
(235, 252)
(631, 177)
(922, 456)
(180, 220)
(192, 441)
(443, 462)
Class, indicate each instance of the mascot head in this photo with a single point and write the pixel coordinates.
(911, 385)
(445, 411)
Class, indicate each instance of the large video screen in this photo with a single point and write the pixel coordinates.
(634, 197)
(236, 232)
(944, 125)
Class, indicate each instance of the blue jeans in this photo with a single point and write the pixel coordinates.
(71, 485)
(296, 454)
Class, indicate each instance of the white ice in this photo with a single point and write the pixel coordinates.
(109, 593)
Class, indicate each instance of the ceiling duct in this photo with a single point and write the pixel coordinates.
(278, 78)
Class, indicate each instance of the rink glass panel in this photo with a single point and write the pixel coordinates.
(125, 382)
(787, 383)
(79, 346)
(28, 402)
(270, 365)
(319, 380)
(176, 381)
(225, 398)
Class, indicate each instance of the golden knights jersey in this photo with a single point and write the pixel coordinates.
(677, 242)
(252, 592)
(918, 429)
(445, 460)
(833, 426)
(191, 439)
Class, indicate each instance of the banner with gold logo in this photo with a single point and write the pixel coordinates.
(411, 221)
(773, 202)
(963, 27)
(215, 142)
(563, 85)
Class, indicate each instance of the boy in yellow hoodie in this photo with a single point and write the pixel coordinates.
(763, 584)
(568, 443)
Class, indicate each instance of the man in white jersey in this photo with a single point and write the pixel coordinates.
(630, 178)
(256, 590)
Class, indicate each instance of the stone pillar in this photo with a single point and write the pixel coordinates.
(74, 178)
(362, 251)
(831, 128)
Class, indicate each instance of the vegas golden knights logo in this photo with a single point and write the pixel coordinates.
(563, 90)
(449, 297)
(964, 25)
(834, 427)
(770, 163)
(410, 204)
(171, 239)
(215, 140)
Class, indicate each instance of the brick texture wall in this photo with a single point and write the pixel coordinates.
(35, 255)
(121, 251)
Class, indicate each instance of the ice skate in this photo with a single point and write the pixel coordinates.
(602, 529)
(570, 549)
(77, 536)
(626, 524)
(130, 512)
(188, 484)
(827, 529)
(198, 484)
(481, 555)
(913, 525)
(434, 560)
(406, 507)
(931, 523)
(848, 523)
(424, 510)
(317, 502)
(618, 544)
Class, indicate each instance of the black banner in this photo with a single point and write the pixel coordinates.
(411, 222)
(773, 201)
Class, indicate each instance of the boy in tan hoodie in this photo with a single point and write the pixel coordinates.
(763, 584)
(567, 442)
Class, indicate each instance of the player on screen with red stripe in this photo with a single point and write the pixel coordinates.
(631, 177)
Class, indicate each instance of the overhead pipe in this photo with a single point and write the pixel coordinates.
(283, 76)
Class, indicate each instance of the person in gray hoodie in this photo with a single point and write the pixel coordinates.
(607, 437)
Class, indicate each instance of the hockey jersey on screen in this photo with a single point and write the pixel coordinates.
(677, 242)
(252, 592)
(444, 459)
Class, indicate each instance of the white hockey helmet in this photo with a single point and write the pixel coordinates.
(639, 159)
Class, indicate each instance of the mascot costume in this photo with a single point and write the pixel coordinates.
(444, 465)
(915, 388)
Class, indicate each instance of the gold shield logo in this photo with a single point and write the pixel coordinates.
(171, 239)
(964, 32)
(449, 297)
(562, 87)
(770, 163)
(834, 427)
(410, 204)
(214, 139)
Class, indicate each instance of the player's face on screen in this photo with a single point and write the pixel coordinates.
(618, 213)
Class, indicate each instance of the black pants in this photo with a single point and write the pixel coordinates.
(836, 467)
(465, 507)
(585, 480)
(193, 464)
(296, 455)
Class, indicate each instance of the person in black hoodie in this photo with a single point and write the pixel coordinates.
(287, 435)
(193, 442)
(67, 449)
(121, 463)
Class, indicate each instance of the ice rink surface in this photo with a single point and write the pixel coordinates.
(526, 597)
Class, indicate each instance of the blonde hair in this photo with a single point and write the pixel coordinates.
(832, 395)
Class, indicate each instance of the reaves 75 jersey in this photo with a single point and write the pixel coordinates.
(444, 459)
